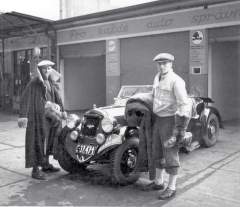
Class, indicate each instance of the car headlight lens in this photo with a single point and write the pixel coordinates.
(74, 135)
(72, 121)
(108, 124)
(100, 138)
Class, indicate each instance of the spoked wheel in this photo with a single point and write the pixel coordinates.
(124, 162)
(212, 133)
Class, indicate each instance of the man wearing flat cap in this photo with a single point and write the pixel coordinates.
(171, 107)
(41, 112)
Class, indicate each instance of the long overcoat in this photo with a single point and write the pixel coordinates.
(143, 102)
(32, 107)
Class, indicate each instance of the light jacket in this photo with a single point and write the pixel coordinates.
(170, 96)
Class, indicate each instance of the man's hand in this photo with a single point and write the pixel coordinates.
(179, 139)
(134, 133)
(64, 115)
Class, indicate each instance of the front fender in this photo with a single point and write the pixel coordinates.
(67, 143)
(113, 140)
(62, 136)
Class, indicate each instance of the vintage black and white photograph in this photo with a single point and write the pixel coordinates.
(120, 103)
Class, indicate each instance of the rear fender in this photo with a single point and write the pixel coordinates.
(204, 118)
(209, 109)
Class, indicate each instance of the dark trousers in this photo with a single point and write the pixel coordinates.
(167, 159)
(51, 140)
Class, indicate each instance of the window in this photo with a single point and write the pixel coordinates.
(24, 66)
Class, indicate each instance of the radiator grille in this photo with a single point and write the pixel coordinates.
(90, 127)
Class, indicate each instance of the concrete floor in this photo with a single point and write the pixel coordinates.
(208, 177)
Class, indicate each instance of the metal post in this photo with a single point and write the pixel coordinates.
(3, 55)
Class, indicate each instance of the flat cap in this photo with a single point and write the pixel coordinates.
(163, 57)
(45, 63)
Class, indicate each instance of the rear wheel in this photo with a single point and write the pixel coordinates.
(123, 162)
(211, 136)
(68, 163)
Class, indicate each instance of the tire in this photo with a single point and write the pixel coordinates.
(212, 132)
(68, 163)
(123, 162)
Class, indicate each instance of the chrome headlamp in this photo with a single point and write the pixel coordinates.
(108, 124)
(74, 135)
(72, 121)
(100, 138)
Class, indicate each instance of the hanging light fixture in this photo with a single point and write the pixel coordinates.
(36, 51)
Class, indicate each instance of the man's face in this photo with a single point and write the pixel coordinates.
(46, 71)
(164, 67)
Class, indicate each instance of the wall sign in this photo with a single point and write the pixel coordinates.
(196, 70)
(197, 90)
(218, 16)
(111, 45)
(112, 60)
(156, 24)
(198, 52)
(197, 37)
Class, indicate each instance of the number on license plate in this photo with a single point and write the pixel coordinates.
(86, 149)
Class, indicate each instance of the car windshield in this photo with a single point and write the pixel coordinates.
(128, 91)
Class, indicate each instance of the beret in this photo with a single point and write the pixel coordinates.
(45, 63)
(163, 57)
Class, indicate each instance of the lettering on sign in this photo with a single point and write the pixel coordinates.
(111, 57)
(220, 15)
(113, 29)
(75, 34)
(161, 23)
(29, 40)
(197, 49)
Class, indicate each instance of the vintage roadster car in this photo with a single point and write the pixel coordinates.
(103, 136)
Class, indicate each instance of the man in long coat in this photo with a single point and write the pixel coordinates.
(42, 129)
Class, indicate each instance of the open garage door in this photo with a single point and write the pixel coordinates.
(225, 81)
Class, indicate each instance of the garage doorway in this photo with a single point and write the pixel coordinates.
(225, 79)
(84, 82)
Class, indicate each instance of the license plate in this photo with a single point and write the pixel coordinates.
(86, 149)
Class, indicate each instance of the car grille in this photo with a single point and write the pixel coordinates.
(91, 125)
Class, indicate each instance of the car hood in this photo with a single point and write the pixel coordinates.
(112, 110)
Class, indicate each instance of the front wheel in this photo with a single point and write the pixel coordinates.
(212, 132)
(67, 162)
(124, 162)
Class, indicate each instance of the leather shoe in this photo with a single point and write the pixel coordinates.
(153, 186)
(39, 175)
(168, 193)
(50, 168)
